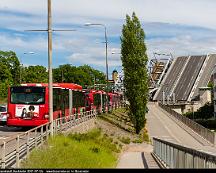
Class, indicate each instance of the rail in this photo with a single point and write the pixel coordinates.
(19, 146)
(172, 155)
(202, 131)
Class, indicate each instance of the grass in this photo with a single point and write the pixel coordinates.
(89, 150)
(121, 110)
(143, 137)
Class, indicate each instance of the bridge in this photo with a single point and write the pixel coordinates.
(169, 136)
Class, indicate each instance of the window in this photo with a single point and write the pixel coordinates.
(28, 95)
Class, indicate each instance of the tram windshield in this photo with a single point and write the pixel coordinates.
(28, 95)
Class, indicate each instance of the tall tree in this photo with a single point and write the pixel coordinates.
(134, 61)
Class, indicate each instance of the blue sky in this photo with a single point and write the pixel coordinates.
(180, 27)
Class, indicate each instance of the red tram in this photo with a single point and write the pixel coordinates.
(28, 103)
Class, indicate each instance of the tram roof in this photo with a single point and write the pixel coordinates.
(61, 85)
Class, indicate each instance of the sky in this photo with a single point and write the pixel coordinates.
(179, 27)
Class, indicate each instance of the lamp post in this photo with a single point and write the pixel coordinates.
(49, 30)
(155, 53)
(116, 52)
(105, 34)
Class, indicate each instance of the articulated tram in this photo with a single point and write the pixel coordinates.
(28, 103)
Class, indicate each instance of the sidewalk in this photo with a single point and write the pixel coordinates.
(137, 156)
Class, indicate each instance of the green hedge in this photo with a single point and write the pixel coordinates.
(204, 112)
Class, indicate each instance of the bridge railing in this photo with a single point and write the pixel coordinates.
(19, 146)
(172, 155)
(199, 129)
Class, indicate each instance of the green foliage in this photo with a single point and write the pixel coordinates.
(209, 123)
(82, 75)
(13, 73)
(143, 136)
(134, 61)
(125, 140)
(211, 84)
(89, 150)
(10, 71)
(204, 112)
(34, 74)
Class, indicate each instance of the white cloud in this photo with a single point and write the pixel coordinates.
(193, 12)
(182, 45)
(159, 19)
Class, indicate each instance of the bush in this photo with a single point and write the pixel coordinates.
(210, 124)
(125, 140)
(204, 112)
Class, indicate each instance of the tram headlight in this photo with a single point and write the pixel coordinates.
(46, 116)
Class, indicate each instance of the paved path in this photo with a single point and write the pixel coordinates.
(161, 125)
(137, 156)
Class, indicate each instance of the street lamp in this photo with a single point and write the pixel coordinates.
(164, 54)
(29, 53)
(105, 34)
(116, 52)
(21, 64)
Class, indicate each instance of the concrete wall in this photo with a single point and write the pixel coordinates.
(205, 96)
(178, 110)
(83, 127)
(192, 107)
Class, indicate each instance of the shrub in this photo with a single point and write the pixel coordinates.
(125, 140)
(204, 112)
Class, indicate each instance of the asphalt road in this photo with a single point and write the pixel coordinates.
(160, 125)
(7, 132)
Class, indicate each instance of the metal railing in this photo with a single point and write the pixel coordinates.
(202, 131)
(172, 155)
(19, 146)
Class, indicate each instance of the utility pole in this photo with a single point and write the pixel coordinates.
(49, 30)
(50, 85)
(106, 58)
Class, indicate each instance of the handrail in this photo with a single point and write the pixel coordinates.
(173, 155)
(199, 129)
(17, 147)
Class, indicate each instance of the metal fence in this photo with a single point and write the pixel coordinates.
(202, 131)
(19, 146)
(173, 155)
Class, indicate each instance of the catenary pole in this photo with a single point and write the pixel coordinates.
(50, 86)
